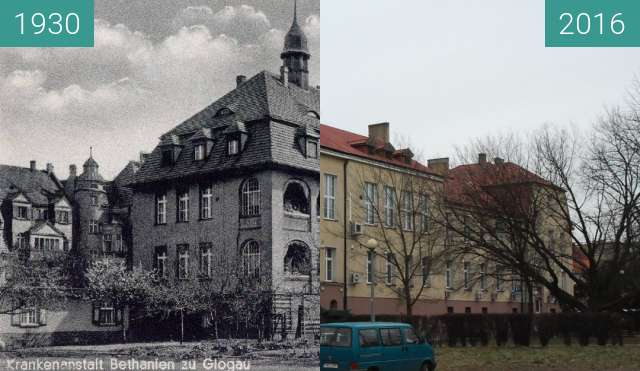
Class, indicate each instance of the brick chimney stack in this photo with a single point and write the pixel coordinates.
(49, 168)
(439, 165)
(379, 132)
(73, 171)
(32, 165)
(482, 158)
(240, 79)
(284, 75)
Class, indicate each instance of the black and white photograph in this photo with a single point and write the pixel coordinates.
(159, 191)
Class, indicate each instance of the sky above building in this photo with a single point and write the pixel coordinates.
(444, 72)
(154, 64)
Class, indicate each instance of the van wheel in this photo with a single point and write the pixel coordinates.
(427, 366)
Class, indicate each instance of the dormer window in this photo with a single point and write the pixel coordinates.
(224, 111)
(167, 157)
(233, 146)
(312, 149)
(199, 152)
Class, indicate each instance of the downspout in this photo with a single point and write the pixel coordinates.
(345, 225)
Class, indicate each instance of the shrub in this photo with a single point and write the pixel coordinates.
(565, 327)
(583, 323)
(501, 327)
(601, 327)
(521, 329)
(547, 327)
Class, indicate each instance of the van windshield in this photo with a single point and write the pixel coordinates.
(335, 337)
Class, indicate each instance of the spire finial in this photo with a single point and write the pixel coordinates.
(295, 11)
(90, 152)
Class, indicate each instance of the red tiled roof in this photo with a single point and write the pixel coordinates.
(355, 144)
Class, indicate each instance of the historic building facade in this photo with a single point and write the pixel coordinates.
(232, 191)
(372, 191)
(43, 214)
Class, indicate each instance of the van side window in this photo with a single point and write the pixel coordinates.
(391, 336)
(410, 336)
(369, 338)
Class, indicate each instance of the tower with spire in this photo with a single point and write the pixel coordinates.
(295, 55)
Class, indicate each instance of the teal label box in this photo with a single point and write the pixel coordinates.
(592, 23)
(46, 23)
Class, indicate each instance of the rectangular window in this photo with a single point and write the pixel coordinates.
(407, 211)
(483, 276)
(183, 207)
(22, 212)
(465, 267)
(206, 202)
(424, 212)
(388, 277)
(94, 200)
(330, 196)
(183, 262)
(312, 149)
(118, 243)
(391, 336)
(160, 263)
(199, 152)
(161, 208)
(107, 315)
(167, 157)
(563, 281)
(498, 279)
(370, 255)
(206, 257)
(368, 338)
(62, 217)
(107, 243)
(426, 270)
(389, 206)
(448, 275)
(370, 202)
(233, 146)
(29, 317)
(93, 226)
(515, 282)
(329, 255)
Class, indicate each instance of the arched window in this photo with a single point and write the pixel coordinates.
(250, 254)
(298, 259)
(318, 205)
(224, 111)
(295, 199)
(250, 198)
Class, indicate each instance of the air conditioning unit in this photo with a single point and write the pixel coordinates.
(356, 229)
(355, 277)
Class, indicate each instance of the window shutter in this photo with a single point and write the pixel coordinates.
(96, 315)
(42, 319)
(15, 318)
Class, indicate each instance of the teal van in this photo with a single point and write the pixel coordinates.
(373, 346)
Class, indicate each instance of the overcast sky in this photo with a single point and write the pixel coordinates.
(155, 63)
(447, 71)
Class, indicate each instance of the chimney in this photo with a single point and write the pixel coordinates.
(73, 171)
(49, 168)
(32, 165)
(498, 161)
(240, 79)
(379, 132)
(284, 75)
(143, 157)
(482, 158)
(439, 165)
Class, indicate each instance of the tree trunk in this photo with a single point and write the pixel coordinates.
(407, 298)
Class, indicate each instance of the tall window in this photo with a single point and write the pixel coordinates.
(251, 259)
(498, 279)
(206, 257)
(199, 152)
(389, 206)
(107, 243)
(424, 212)
(62, 217)
(370, 202)
(94, 200)
(370, 255)
(388, 276)
(93, 226)
(426, 270)
(206, 202)
(465, 268)
(183, 206)
(407, 211)
(107, 314)
(330, 196)
(22, 212)
(329, 254)
(161, 208)
(563, 280)
(183, 262)
(161, 261)
(233, 146)
(448, 275)
(29, 317)
(483, 276)
(118, 243)
(250, 203)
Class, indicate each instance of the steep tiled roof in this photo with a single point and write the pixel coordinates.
(38, 186)
(355, 144)
(246, 108)
(464, 182)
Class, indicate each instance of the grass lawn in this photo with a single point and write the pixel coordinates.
(554, 357)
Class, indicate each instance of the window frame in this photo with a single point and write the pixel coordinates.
(251, 259)
(389, 206)
(407, 210)
(199, 152)
(250, 198)
(183, 257)
(370, 202)
(329, 264)
(206, 202)
(233, 146)
(161, 209)
(183, 205)
(329, 196)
